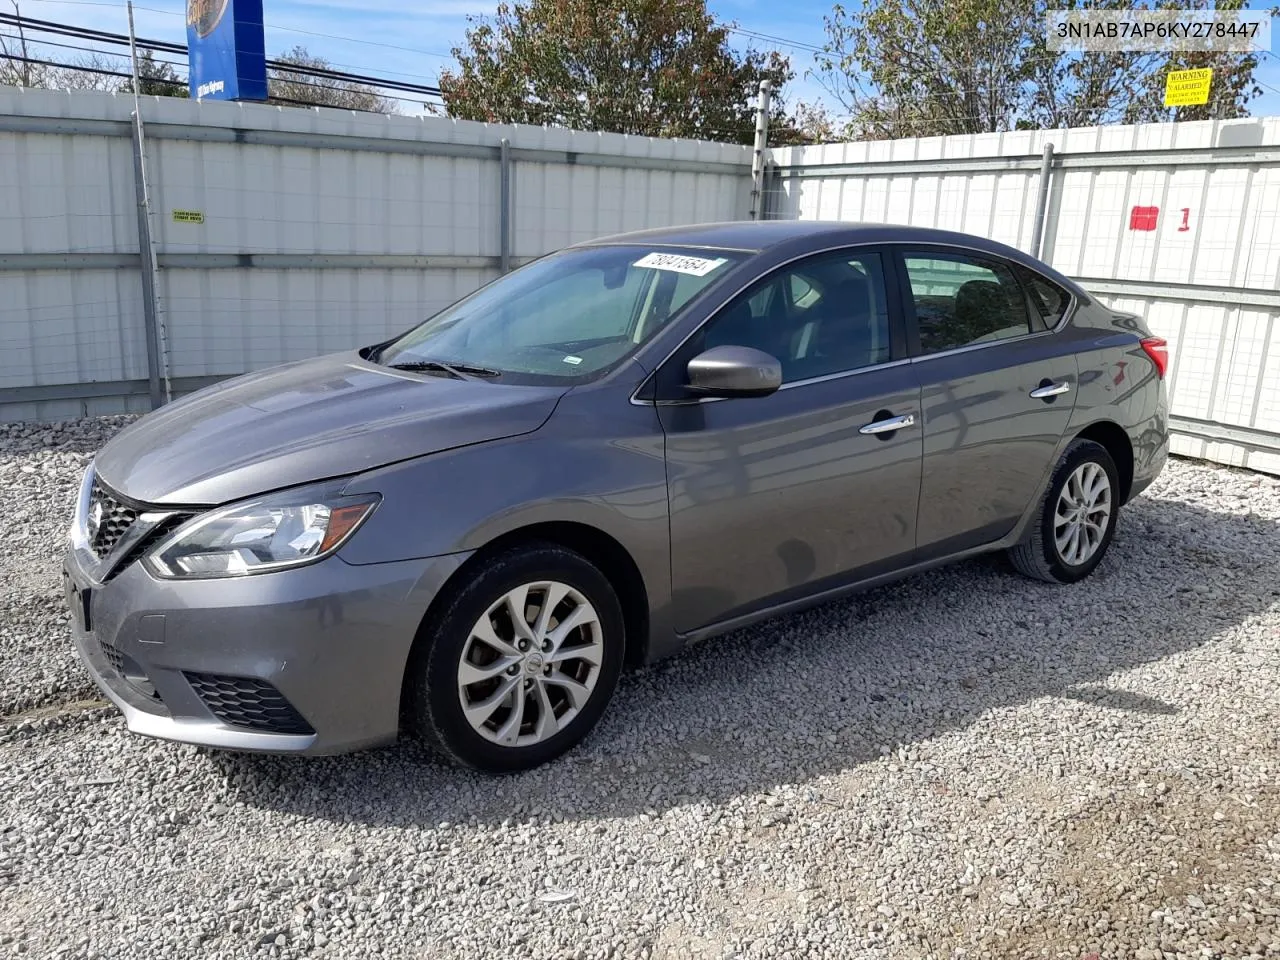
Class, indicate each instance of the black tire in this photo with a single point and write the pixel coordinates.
(435, 709)
(1038, 556)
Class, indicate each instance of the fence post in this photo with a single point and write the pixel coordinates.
(504, 205)
(1042, 201)
(150, 315)
(761, 144)
(766, 178)
(156, 361)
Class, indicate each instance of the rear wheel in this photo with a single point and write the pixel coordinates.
(1076, 519)
(521, 662)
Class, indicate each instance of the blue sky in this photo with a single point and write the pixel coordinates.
(411, 41)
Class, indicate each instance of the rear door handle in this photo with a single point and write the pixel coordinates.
(890, 425)
(1051, 390)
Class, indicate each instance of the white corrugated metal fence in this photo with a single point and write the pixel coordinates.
(1178, 222)
(284, 233)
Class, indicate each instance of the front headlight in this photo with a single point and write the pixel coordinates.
(273, 533)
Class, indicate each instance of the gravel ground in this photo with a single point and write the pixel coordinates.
(966, 764)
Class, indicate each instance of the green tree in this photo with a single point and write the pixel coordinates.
(904, 68)
(909, 68)
(1085, 89)
(155, 78)
(812, 123)
(1232, 88)
(288, 87)
(661, 68)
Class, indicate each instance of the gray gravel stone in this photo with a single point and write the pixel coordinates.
(40, 470)
(962, 764)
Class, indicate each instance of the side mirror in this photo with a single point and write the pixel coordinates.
(731, 371)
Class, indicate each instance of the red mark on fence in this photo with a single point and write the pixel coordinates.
(1186, 220)
(1143, 218)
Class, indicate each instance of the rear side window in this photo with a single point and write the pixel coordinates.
(961, 301)
(1048, 299)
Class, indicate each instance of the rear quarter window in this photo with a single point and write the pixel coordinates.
(1050, 301)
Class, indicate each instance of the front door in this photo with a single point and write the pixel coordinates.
(998, 388)
(776, 497)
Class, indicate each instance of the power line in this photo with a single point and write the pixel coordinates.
(101, 71)
(117, 39)
(107, 37)
(273, 26)
(369, 43)
(129, 76)
(71, 46)
(1263, 82)
(103, 36)
(796, 44)
(295, 71)
(733, 132)
(172, 82)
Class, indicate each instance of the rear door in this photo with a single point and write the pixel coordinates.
(773, 498)
(998, 387)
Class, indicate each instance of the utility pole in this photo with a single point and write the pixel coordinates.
(157, 354)
(762, 144)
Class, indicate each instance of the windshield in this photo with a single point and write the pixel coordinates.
(567, 316)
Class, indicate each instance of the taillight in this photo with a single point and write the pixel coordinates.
(1158, 350)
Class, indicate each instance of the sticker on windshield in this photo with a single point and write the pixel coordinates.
(678, 263)
(573, 360)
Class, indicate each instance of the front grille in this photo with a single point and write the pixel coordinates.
(113, 519)
(248, 702)
(158, 533)
(113, 657)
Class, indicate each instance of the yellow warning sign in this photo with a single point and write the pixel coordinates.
(188, 216)
(1187, 88)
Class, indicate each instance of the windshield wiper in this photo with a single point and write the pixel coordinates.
(460, 371)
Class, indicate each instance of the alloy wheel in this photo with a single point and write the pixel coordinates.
(1083, 511)
(530, 663)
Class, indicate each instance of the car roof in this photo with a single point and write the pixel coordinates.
(805, 236)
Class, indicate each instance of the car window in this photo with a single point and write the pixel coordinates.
(960, 301)
(575, 307)
(802, 294)
(824, 315)
(566, 317)
(1048, 299)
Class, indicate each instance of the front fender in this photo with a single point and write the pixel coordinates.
(599, 461)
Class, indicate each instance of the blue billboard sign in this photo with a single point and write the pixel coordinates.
(226, 50)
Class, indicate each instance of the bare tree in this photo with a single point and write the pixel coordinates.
(92, 71)
(288, 87)
(16, 70)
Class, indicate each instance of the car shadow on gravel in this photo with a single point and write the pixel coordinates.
(820, 692)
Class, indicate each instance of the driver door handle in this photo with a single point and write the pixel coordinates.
(1051, 390)
(890, 425)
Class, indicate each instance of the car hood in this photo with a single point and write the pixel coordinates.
(305, 421)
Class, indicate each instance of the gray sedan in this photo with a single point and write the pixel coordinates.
(466, 532)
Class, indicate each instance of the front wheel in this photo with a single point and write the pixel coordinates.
(1076, 519)
(520, 663)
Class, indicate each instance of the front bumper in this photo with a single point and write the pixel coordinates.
(309, 660)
